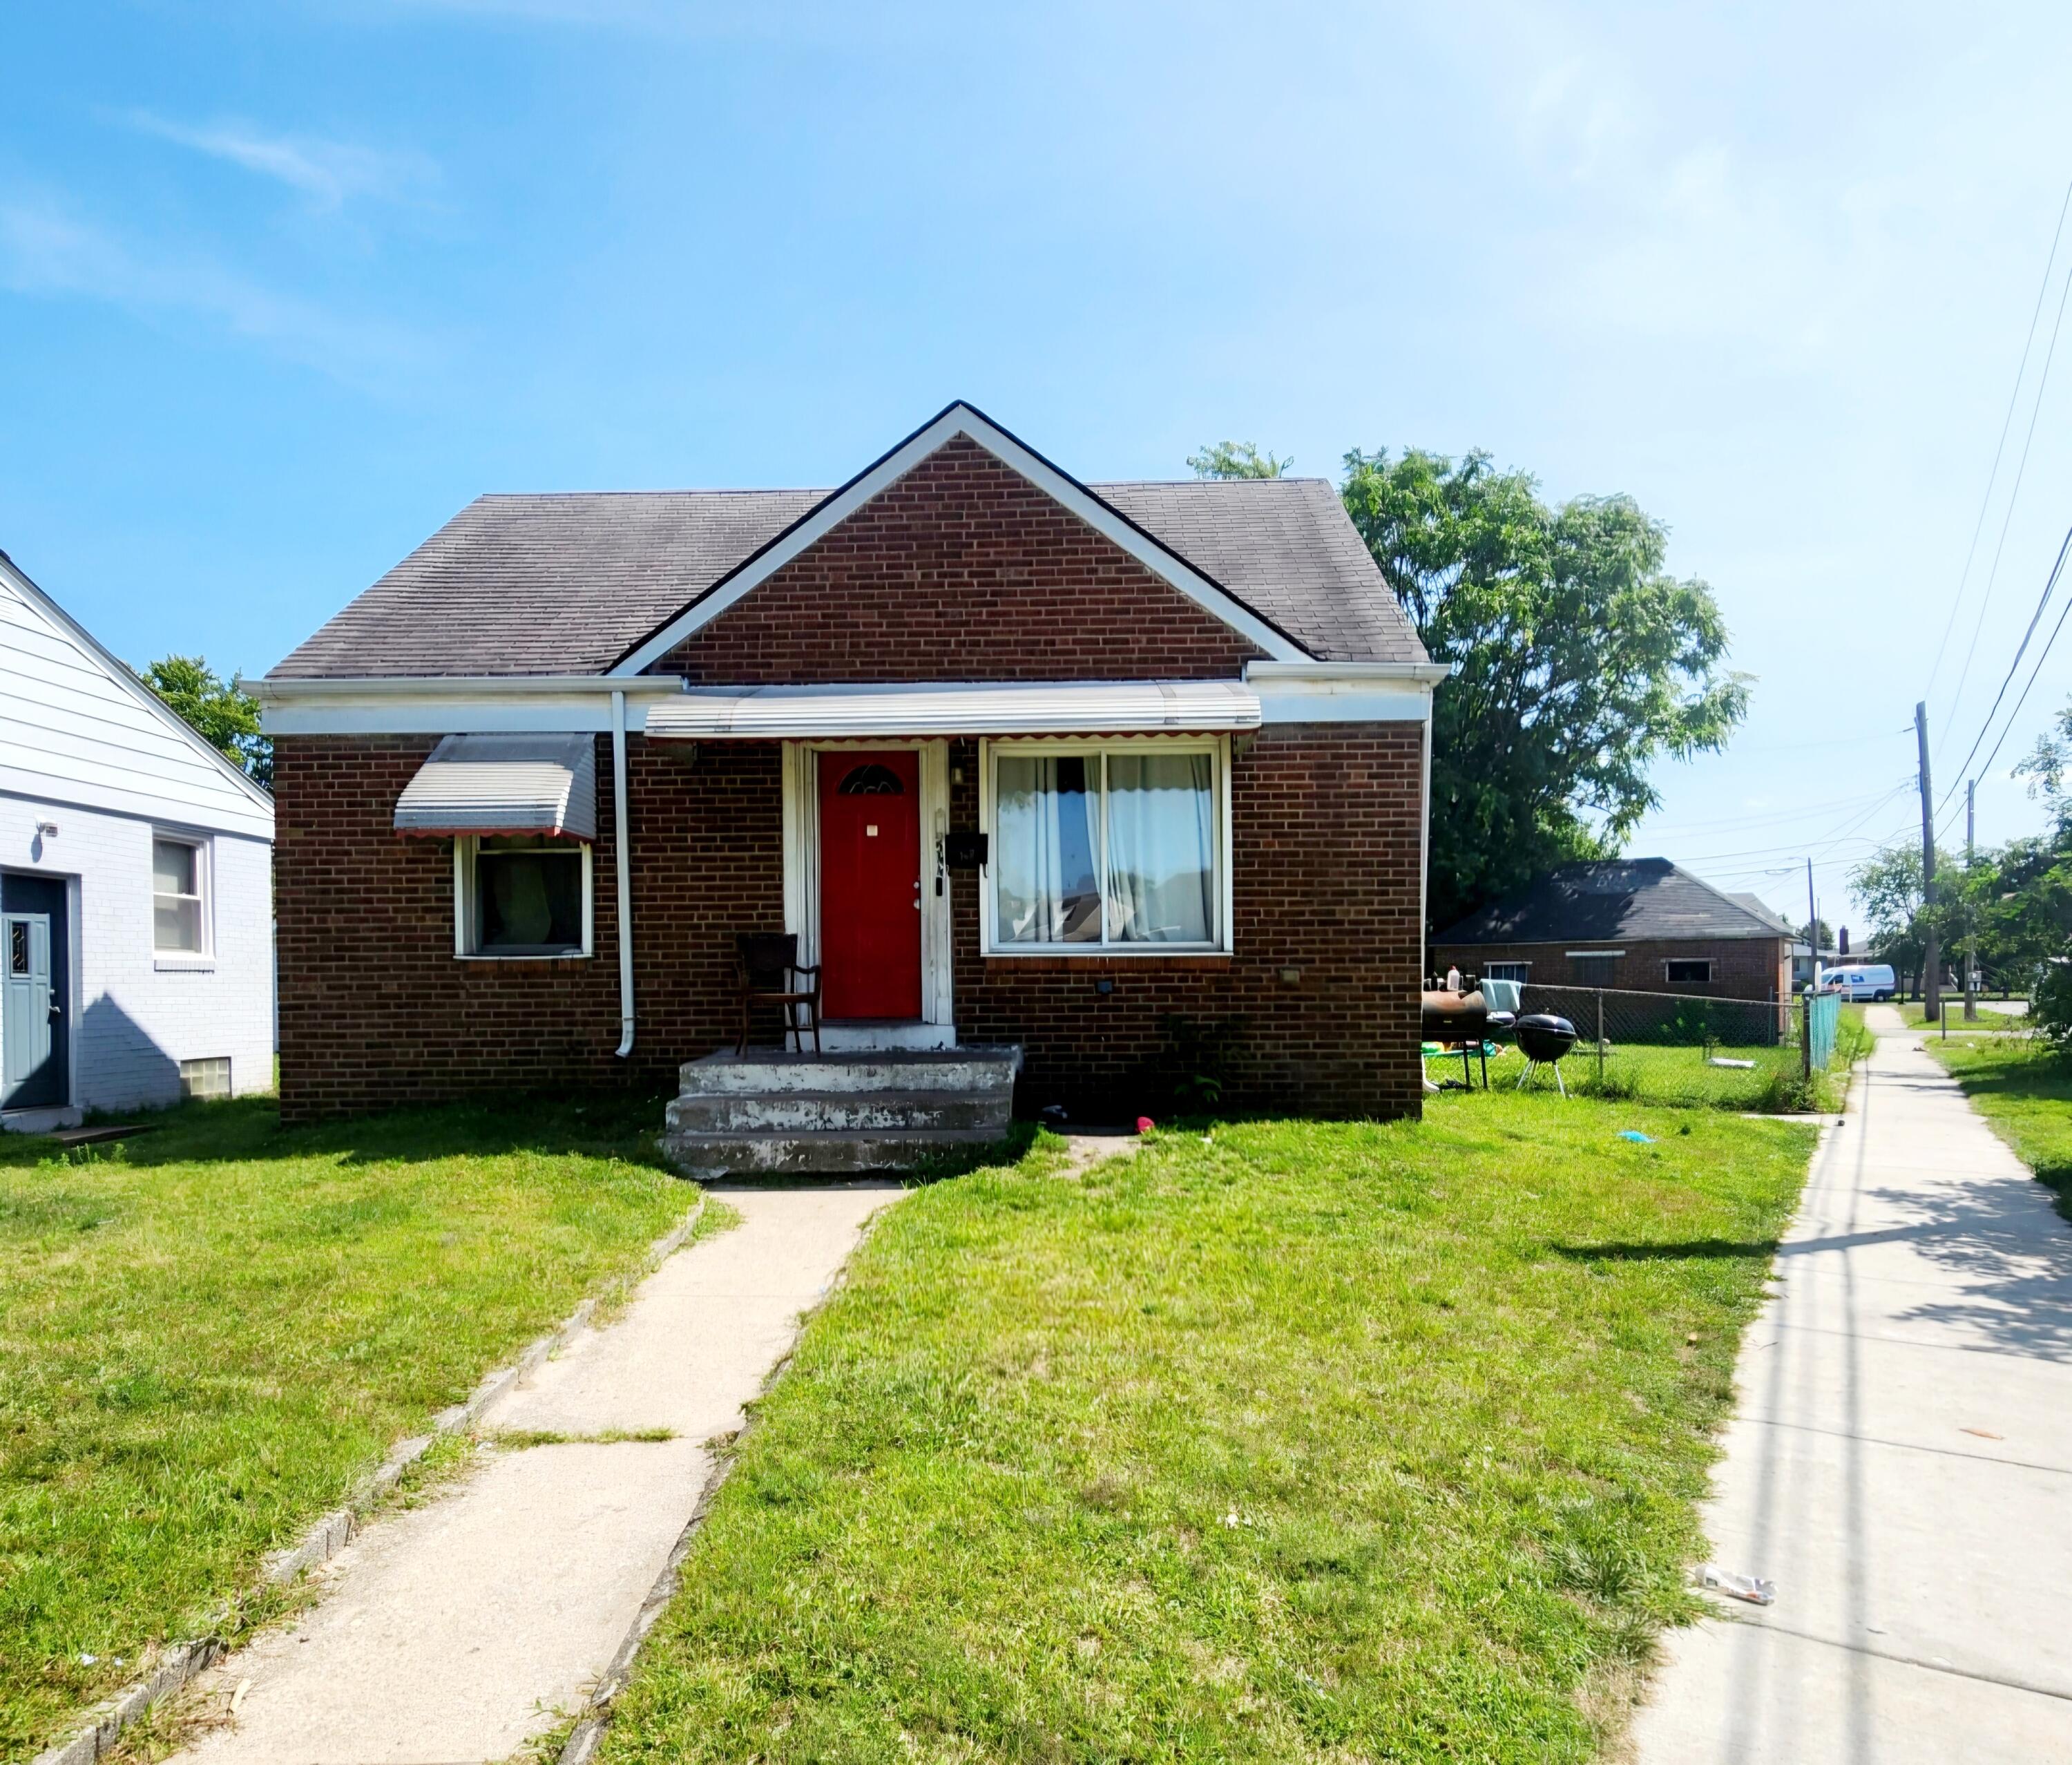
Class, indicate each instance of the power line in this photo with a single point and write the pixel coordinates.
(2018, 704)
(2014, 396)
(1761, 817)
(1820, 842)
(1993, 477)
(2042, 601)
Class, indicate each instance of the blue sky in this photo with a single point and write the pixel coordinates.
(282, 285)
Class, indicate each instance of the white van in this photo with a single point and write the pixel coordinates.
(1870, 981)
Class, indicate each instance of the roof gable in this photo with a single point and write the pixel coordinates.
(576, 582)
(77, 725)
(957, 420)
(1621, 897)
(959, 570)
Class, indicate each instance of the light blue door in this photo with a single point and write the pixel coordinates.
(26, 1011)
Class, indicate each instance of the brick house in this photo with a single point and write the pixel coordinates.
(1637, 924)
(1104, 775)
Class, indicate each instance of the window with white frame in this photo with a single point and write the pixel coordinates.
(1118, 847)
(1520, 972)
(179, 881)
(1688, 971)
(521, 895)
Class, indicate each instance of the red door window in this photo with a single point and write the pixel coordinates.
(870, 884)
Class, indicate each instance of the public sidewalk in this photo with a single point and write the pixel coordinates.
(1901, 1463)
(456, 1631)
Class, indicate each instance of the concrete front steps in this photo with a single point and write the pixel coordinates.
(769, 1111)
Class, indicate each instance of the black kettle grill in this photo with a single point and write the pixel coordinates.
(1543, 1038)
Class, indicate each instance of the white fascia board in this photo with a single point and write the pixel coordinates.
(990, 708)
(960, 419)
(118, 670)
(455, 706)
(1345, 691)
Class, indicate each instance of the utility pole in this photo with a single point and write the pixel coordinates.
(1970, 921)
(1812, 931)
(1931, 962)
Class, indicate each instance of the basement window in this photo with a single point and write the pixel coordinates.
(521, 896)
(208, 1077)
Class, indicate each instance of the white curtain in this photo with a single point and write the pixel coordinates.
(1049, 835)
(1161, 848)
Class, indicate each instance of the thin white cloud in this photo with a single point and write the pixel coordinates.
(327, 172)
(47, 252)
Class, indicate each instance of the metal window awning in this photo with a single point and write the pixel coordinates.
(1060, 708)
(504, 784)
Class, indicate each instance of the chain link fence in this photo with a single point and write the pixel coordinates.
(1669, 1047)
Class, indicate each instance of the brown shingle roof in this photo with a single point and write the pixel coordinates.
(565, 583)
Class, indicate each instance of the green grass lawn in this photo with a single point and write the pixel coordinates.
(1681, 1074)
(2026, 1095)
(1990, 1022)
(1305, 1441)
(207, 1333)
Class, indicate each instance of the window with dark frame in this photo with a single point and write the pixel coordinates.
(525, 897)
(1594, 971)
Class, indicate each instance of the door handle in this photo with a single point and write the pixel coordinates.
(57, 1010)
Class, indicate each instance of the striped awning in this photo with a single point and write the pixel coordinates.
(504, 784)
(1060, 708)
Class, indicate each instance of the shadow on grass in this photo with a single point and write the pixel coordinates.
(1667, 1252)
(624, 1125)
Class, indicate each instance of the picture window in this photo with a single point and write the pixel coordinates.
(1118, 847)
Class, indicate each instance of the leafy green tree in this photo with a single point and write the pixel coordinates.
(1887, 883)
(1235, 459)
(1578, 659)
(224, 717)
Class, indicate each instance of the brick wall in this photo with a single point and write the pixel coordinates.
(1325, 824)
(1742, 968)
(962, 570)
(376, 1010)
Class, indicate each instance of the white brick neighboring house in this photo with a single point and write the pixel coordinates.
(136, 887)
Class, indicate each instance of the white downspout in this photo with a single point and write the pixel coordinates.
(622, 843)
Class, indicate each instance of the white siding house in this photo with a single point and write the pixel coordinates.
(136, 887)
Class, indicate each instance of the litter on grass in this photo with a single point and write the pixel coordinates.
(1721, 1061)
(1751, 1588)
(1637, 1136)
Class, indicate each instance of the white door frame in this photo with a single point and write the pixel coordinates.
(802, 858)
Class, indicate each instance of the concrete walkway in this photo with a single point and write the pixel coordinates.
(1901, 1463)
(456, 1631)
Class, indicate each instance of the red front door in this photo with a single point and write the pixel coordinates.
(870, 884)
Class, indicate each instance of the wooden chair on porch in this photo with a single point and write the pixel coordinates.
(768, 971)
